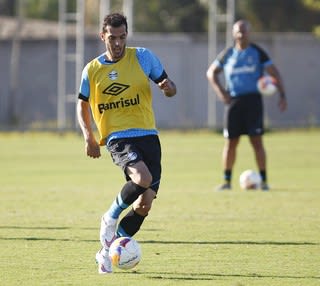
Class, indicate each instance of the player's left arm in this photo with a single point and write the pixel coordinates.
(168, 87)
(155, 71)
(273, 71)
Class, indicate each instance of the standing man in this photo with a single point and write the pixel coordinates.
(115, 88)
(243, 64)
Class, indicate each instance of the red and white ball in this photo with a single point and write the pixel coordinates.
(267, 85)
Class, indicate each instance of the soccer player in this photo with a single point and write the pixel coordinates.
(243, 64)
(115, 88)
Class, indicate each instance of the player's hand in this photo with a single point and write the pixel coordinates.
(282, 104)
(92, 149)
(226, 98)
(168, 87)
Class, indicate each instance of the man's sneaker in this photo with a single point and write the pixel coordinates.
(107, 231)
(104, 262)
(224, 187)
(264, 187)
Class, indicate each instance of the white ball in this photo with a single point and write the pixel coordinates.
(267, 85)
(250, 180)
(125, 253)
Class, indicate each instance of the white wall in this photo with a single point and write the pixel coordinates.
(185, 60)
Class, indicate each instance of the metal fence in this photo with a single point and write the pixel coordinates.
(185, 58)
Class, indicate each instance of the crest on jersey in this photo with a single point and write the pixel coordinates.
(113, 75)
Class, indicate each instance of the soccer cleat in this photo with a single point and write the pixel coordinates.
(264, 187)
(224, 187)
(107, 231)
(104, 262)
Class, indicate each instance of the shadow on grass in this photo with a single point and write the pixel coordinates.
(44, 227)
(172, 276)
(210, 276)
(244, 242)
(231, 242)
(163, 241)
(217, 276)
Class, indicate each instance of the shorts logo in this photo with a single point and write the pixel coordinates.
(115, 89)
(132, 156)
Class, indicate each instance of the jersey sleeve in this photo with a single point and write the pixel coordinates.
(84, 90)
(151, 65)
(264, 57)
(221, 58)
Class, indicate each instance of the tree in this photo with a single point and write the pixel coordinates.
(189, 16)
(170, 16)
(278, 15)
(315, 6)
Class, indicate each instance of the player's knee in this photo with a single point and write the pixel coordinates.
(142, 179)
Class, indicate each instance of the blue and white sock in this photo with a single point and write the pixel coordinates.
(117, 207)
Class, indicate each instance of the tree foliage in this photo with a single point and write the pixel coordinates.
(170, 16)
(313, 4)
(278, 15)
(189, 16)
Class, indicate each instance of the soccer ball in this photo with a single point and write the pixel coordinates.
(250, 180)
(125, 253)
(267, 85)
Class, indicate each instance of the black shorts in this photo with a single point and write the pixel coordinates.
(128, 151)
(244, 115)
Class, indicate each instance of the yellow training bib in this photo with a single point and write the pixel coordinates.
(120, 95)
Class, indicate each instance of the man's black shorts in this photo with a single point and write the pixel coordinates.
(244, 115)
(128, 151)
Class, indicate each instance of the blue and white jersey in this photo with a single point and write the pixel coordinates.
(242, 68)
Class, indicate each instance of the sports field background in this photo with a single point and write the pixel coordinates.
(52, 197)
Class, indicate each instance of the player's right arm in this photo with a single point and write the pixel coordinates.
(92, 147)
(213, 77)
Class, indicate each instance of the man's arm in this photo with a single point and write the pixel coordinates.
(273, 71)
(92, 147)
(213, 78)
(168, 87)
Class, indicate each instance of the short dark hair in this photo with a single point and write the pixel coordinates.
(114, 20)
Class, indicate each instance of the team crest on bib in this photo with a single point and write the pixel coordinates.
(113, 75)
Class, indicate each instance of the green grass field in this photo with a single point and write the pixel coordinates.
(52, 197)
